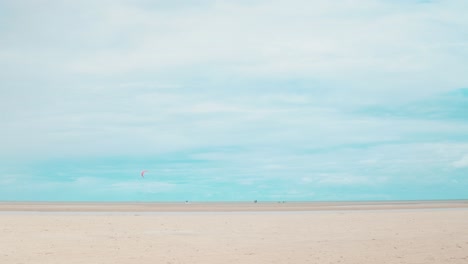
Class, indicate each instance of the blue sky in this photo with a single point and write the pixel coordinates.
(233, 100)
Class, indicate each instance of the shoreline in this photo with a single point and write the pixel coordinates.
(123, 207)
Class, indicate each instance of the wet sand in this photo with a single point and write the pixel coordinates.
(371, 232)
(225, 206)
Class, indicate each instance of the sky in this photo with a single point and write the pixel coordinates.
(298, 100)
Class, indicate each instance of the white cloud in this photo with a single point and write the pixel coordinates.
(461, 163)
(137, 77)
(341, 179)
(141, 186)
(376, 45)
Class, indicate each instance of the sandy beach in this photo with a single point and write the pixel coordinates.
(371, 232)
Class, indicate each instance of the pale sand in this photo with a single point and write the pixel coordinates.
(417, 233)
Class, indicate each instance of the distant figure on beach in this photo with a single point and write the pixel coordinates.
(255, 201)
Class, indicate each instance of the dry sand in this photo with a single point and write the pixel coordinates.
(416, 232)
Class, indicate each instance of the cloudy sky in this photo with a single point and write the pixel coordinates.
(233, 100)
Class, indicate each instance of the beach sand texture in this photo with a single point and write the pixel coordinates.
(348, 236)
